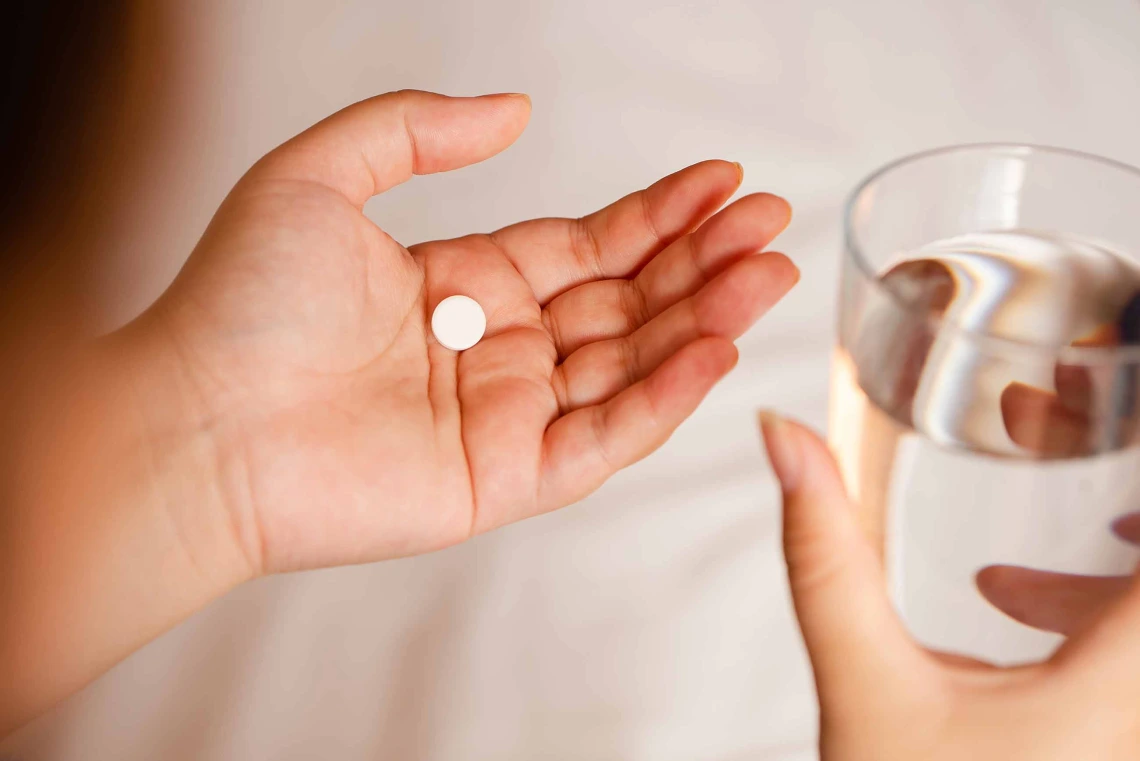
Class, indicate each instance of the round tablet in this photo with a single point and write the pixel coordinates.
(458, 322)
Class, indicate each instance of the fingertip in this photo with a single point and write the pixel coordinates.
(729, 170)
(770, 213)
(1047, 600)
(727, 353)
(1038, 421)
(720, 177)
(998, 585)
(1127, 527)
(812, 472)
(1028, 596)
(680, 202)
(779, 208)
(783, 450)
(734, 353)
(725, 174)
(515, 100)
(783, 269)
(991, 577)
(714, 356)
(735, 299)
(518, 107)
(744, 227)
(450, 132)
(773, 208)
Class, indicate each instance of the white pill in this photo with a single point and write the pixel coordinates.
(458, 322)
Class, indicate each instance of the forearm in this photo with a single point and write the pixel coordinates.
(112, 531)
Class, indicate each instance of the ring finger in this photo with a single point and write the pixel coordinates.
(725, 307)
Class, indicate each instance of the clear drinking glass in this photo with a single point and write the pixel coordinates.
(984, 402)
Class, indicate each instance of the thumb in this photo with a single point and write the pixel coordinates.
(854, 639)
(373, 145)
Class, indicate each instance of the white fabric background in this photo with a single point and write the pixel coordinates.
(651, 621)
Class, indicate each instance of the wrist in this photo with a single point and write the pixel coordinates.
(178, 461)
(116, 527)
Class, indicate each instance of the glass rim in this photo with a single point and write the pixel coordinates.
(1074, 355)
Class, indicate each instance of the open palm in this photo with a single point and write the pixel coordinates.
(343, 432)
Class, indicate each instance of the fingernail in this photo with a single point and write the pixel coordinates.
(783, 452)
(522, 95)
(739, 172)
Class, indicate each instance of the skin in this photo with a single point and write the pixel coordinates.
(284, 406)
(1080, 418)
(883, 697)
(1058, 424)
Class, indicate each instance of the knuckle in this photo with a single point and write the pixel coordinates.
(584, 244)
(635, 305)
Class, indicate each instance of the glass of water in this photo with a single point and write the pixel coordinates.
(985, 403)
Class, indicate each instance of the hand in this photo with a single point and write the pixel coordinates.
(883, 697)
(1073, 421)
(345, 433)
(284, 405)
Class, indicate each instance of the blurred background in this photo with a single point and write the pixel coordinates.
(652, 620)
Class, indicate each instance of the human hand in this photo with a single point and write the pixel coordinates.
(1081, 417)
(884, 697)
(284, 404)
(342, 431)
